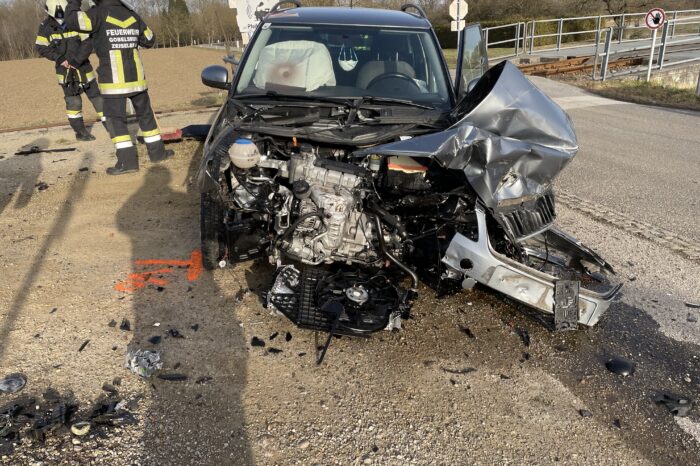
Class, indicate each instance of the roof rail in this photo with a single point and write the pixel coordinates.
(415, 7)
(274, 9)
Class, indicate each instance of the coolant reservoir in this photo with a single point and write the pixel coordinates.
(244, 153)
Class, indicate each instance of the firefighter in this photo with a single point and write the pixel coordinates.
(70, 51)
(118, 33)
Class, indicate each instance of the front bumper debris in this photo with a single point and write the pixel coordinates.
(520, 282)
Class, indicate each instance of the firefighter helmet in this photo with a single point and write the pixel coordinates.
(56, 9)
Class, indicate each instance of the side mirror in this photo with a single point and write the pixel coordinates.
(472, 84)
(216, 76)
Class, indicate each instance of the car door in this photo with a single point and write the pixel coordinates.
(472, 60)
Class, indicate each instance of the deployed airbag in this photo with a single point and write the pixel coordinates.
(302, 64)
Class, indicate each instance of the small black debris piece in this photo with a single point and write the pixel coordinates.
(117, 381)
(467, 331)
(274, 335)
(617, 424)
(585, 413)
(83, 169)
(524, 336)
(257, 342)
(51, 395)
(154, 340)
(125, 325)
(453, 381)
(160, 289)
(82, 347)
(504, 377)
(204, 380)
(240, 294)
(693, 305)
(112, 323)
(301, 354)
(53, 310)
(41, 186)
(375, 449)
(620, 366)
(288, 336)
(110, 389)
(174, 377)
(677, 405)
(691, 318)
(274, 351)
(526, 356)
(176, 366)
(466, 370)
(175, 333)
(114, 348)
(195, 327)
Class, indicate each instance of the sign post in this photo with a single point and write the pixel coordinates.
(655, 19)
(458, 10)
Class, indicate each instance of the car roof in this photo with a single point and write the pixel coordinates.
(348, 17)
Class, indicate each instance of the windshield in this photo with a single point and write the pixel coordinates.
(354, 62)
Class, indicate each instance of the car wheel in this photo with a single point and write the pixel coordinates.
(211, 230)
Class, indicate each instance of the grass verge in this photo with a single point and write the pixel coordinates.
(641, 92)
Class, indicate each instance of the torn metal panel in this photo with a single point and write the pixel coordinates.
(511, 143)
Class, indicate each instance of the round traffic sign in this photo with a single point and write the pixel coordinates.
(655, 18)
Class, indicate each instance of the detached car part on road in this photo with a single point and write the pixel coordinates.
(346, 156)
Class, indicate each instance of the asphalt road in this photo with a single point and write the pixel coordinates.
(638, 160)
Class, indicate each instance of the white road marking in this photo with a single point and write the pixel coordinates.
(585, 101)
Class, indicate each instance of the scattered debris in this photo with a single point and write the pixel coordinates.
(273, 336)
(110, 389)
(240, 294)
(53, 310)
(526, 356)
(257, 342)
(504, 377)
(620, 366)
(81, 429)
(692, 305)
(617, 424)
(157, 324)
(175, 377)
(112, 323)
(288, 336)
(691, 318)
(204, 380)
(301, 354)
(195, 327)
(13, 383)
(176, 366)
(154, 340)
(82, 347)
(466, 370)
(83, 169)
(38, 150)
(143, 363)
(524, 336)
(274, 350)
(585, 413)
(125, 325)
(175, 333)
(41, 186)
(678, 406)
(467, 331)
(117, 381)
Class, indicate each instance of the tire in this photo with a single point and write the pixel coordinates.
(211, 231)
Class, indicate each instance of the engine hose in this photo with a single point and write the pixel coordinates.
(391, 257)
(289, 231)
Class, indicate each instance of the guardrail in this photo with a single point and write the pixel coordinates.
(660, 55)
(627, 27)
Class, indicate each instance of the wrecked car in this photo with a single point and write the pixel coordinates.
(348, 158)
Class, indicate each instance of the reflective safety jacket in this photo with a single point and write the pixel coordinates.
(56, 43)
(118, 32)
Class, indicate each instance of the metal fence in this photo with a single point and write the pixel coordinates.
(548, 35)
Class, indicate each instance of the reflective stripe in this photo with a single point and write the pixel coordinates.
(89, 76)
(84, 21)
(148, 33)
(123, 145)
(74, 116)
(149, 140)
(103, 119)
(40, 40)
(84, 36)
(121, 139)
(115, 59)
(148, 134)
(123, 88)
(139, 66)
(73, 112)
(122, 24)
(61, 78)
(100, 114)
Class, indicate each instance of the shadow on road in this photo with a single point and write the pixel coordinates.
(199, 420)
(23, 185)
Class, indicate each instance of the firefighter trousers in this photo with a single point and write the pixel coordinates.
(74, 104)
(115, 111)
